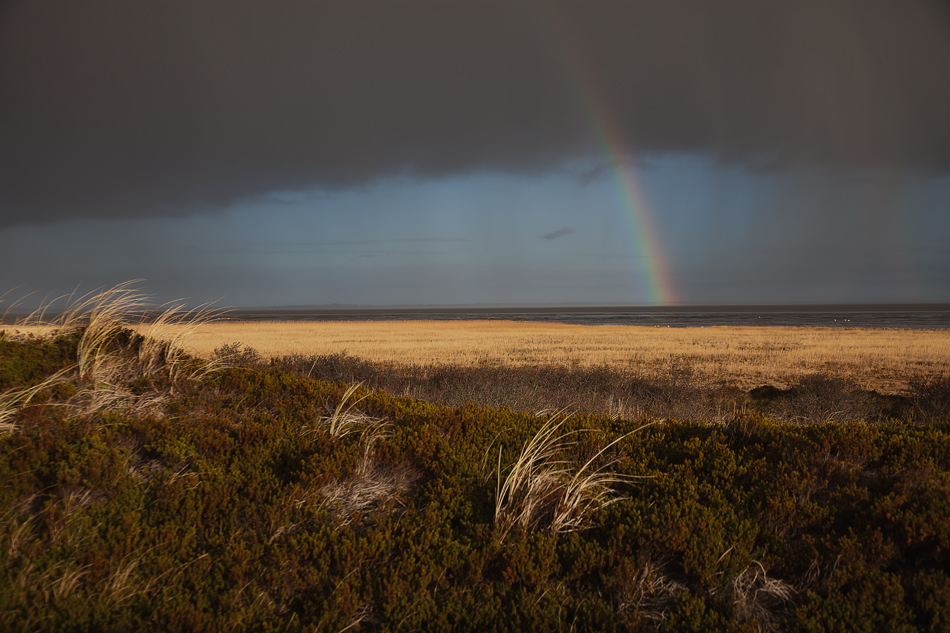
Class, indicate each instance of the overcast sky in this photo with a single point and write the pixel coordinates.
(404, 152)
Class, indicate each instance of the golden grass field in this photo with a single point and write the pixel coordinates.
(747, 356)
(882, 359)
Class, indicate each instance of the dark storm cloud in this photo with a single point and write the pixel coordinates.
(123, 108)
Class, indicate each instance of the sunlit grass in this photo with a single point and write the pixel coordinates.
(345, 418)
(102, 371)
(747, 357)
(13, 400)
(543, 485)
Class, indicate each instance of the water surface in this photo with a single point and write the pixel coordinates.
(930, 316)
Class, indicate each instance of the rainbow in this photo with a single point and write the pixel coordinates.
(656, 274)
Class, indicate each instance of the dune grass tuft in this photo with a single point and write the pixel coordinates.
(345, 418)
(541, 487)
(110, 355)
(757, 596)
(15, 399)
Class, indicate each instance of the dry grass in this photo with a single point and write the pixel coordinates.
(103, 314)
(344, 421)
(15, 399)
(544, 487)
(651, 593)
(101, 369)
(373, 482)
(758, 597)
(884, 360)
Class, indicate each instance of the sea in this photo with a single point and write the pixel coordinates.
(903, 316)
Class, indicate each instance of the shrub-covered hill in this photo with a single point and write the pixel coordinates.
(156, 494)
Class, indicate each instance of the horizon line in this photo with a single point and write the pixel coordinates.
(677, 307)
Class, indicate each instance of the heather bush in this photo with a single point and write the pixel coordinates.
(931, 396)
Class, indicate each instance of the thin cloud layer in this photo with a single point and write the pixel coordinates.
(129, 109)
(562, 232)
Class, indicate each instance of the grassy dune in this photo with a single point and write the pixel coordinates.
(144, 489)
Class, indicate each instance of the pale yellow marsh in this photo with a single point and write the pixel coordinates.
(746, 356)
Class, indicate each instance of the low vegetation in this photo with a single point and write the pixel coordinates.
(250, 494)
(673, 391)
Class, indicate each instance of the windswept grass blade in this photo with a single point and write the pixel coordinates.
(346, 419)
(590, 490)
(12, 401)
(122, 340)
(542, 487)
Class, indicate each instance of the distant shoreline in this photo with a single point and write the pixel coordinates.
(871, 316)
(891, 316)
(585, 309)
